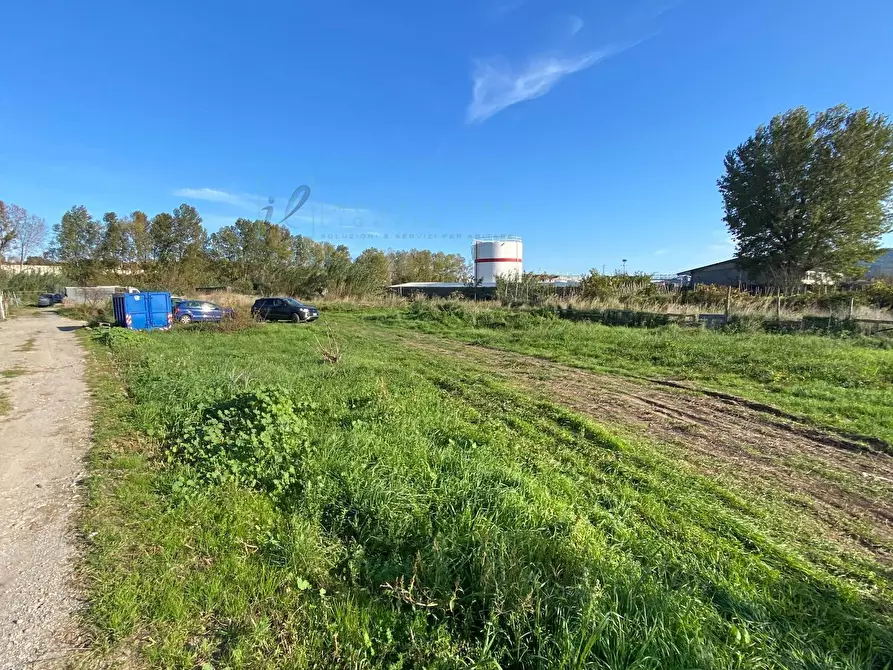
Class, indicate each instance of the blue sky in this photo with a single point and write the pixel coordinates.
(594, 130)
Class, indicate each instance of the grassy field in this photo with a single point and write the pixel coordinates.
(834, 381)
(253, 506)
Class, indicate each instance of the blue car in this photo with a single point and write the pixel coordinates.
(188, 311)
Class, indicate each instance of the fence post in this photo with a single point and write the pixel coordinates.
(852, 308)
(778, 306)
(2, 310)
(729, 303)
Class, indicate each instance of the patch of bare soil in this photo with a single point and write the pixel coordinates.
(42, 442)
(846, 483)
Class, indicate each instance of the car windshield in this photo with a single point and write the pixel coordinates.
(293, 302)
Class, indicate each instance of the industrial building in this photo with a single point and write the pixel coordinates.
(494, 257)
(729, 273)
(724, 273)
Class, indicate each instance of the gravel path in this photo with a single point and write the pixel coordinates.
(43, 438)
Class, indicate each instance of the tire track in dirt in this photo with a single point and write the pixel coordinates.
(847, 485)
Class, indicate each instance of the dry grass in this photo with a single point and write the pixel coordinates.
(236, 301)
(328, 348)
(764, 306)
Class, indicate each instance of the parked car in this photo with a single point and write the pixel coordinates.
(45, 300)
(176, 300)
(188, 311)
(57, 298)
(282, 309)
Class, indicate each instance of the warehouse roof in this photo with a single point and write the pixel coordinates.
(731, 261)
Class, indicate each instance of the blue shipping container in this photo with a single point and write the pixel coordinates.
(142, 311)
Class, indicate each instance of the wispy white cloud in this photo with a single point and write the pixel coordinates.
(216, 195)
(575, 24)
(503, 8)
(498, 85)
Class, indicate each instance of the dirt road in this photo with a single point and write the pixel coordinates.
(44, 433)
(847, 486)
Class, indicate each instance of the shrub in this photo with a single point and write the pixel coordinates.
(746, 323)
(880, 293)
(240, 320)
(597, 285)
(120, 338)
(256, 439)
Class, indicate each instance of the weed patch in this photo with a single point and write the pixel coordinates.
(257, 440)
(27, 345)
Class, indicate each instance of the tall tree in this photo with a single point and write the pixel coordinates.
(76, 242)
(115, 249)
(251, 253)
(140, 237)
(423, 265)
(178, 237)
(810, 192)
(164, 241)
(370, 272)
(32, 231)
(8, 232)
(189, 233)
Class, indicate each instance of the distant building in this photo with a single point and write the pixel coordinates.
(30, 268)
(729, 273)
(724, 273)
(432, 289)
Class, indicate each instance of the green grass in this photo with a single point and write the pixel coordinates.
(846, 383)
(27, 345)
(13, 372)
(437, 519)
(5, 403)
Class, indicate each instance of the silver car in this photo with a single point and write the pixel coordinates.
(46, 300)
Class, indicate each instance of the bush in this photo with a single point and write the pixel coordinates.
(241, 320)
(746, 323)
(880, 293)
(120, 338)
(600, 286)
(257, 440)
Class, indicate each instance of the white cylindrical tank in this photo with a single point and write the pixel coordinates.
(497, 257)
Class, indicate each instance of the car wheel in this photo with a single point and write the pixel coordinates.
(185, 319)
(296, 318)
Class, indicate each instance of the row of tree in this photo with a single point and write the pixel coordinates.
(21, 233)
(174, 251)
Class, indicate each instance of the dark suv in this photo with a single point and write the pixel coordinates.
(279, 309)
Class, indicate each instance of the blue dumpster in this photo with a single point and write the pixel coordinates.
(142, 311)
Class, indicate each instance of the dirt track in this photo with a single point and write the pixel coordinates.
(848, 486)
(42, 441)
